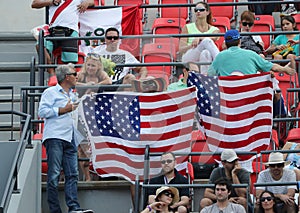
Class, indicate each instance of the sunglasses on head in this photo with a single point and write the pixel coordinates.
(112, 37)
(73, 73)
(166, 161)
(278, 165)
(198, 9)
(262, 199)
(169, 194)
(250, 24)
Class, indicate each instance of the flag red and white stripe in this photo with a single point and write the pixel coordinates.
(121, 125)
(235, 111)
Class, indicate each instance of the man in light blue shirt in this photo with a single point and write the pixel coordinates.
(56, 106)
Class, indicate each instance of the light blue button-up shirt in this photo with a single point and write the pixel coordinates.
(55, 125)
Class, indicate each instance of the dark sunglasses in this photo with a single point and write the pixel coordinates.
(112, 37)
(169, 194)
(166, 161)
(73, 73)
(250, 24)
(262, 199)
(220, 189)
(197, 9)
(278, 165)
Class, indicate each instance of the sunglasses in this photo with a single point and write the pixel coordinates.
(169, 194)
(250, 24)
(197, 9)
(262, 199)
(73, 73)
(278, 165)
(112, 37)
(166, 161)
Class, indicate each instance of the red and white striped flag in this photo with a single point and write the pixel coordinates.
(120, 125)
(235, 111)
(126, 19)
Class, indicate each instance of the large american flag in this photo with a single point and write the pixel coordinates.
(235, 111)
(120, 125)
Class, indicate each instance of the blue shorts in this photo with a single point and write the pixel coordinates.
(69, 48)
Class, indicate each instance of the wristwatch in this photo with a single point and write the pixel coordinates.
(55, 3)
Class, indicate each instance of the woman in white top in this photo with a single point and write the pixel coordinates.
(199, 49)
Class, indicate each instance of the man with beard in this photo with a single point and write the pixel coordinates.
(284, 195)
(222, 191)
(232, 171)
(169, 175)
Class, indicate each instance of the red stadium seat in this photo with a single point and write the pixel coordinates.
(264, 23)
(256, 167)
(297, 19)
(174, 12)
(293, 135)
(159, 52)
(285, 82)
(223, 23)
(223, 11)
(167, 26)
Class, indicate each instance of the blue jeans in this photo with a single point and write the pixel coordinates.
(61, 155)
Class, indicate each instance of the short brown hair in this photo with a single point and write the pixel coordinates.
(248, 16)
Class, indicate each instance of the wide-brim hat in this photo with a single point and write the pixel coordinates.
(276, 158)
(167, 188)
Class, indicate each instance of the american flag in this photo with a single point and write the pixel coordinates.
(120, 125)
(235, 111)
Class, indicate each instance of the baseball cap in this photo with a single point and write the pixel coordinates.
(229, 155)
(232, 35)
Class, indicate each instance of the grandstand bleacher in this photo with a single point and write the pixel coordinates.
(15, 66)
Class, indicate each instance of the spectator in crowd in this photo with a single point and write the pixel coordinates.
(233, 171)
(293, 158)
(239, 61)
(283, 46)
(199, 49)
(222, 191)
(267, 203)
(64, 20)
(118, 56)
(250, 42)
(165, 197)
(169, 175)
(92, 73)
(276, 173)
(59, 138)
(182, 82)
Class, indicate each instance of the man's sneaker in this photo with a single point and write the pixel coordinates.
(82, 211)
(288, 9)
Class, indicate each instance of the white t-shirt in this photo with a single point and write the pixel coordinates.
(68, 17)
(119, 57)
(288, 176)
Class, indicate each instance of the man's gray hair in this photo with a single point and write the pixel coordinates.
(62, 70)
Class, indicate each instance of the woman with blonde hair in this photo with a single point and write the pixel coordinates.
(92, 73)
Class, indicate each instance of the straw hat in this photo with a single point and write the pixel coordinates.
(167, 188)
(276, 158)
